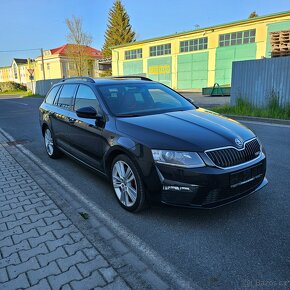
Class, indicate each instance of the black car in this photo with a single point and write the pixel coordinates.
(152, 143)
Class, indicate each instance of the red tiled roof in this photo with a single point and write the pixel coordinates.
(90, 50)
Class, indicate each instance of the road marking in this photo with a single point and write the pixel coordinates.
(263, 123)
(156, 261)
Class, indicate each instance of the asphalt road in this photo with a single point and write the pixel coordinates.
(242, 245)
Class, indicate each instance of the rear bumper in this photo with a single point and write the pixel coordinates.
(209, 187)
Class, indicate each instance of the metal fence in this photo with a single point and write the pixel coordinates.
(42, 87)
(258, 80)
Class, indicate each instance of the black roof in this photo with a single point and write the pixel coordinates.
(104, 81)
(109, 81)
(20, 60)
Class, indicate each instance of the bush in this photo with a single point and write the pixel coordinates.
(11, 86)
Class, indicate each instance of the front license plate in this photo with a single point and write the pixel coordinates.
(246, 175)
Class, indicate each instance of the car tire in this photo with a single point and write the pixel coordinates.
(127, 184)
(49, 143)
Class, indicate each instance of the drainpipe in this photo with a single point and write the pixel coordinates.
(42, 63)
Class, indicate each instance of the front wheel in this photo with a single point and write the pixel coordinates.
(127, 184)
(50, 147)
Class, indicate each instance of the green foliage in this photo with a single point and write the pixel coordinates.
(106, 73)
(119, 30)
(6, 87)
(34, 96)
(244, 108)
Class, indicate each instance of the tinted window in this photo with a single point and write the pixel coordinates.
(66, 96)
(51, 95)
(85, 98)
(142, 99)
(163, 99)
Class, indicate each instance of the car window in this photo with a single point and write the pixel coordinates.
(142, 99)
(162, 98)
(66, 96)
(51, 95)
(85, 98)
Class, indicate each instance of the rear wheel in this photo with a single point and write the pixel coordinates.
(50, 147)
(127, 184)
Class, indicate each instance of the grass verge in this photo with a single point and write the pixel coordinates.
(244, 108)
(22, 93)
(34, 96)
(16, 92)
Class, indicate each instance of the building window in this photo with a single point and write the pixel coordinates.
(133, 54)
(48, 66)
(160, 49)
(236, 38)
(193, 44)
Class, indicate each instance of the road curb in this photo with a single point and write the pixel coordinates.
(258, 119)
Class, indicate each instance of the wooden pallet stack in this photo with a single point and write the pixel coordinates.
(280, 43)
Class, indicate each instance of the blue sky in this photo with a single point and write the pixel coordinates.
(39, 23)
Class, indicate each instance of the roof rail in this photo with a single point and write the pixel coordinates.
(132, 77)
(88, 79)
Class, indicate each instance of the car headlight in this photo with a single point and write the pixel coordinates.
(178, 158)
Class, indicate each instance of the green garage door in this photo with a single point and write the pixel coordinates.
(226, 55)
(160, 69)
(192, 70)
(133, 67)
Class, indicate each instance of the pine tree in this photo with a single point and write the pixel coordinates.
(119, 30)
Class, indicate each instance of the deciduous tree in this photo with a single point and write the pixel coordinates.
(77, 51)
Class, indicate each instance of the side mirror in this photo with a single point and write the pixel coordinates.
(87, 112)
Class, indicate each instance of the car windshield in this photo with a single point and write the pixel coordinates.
(129, 99)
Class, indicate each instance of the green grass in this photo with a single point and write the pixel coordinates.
(15, 92)
(244, 108)
(22, 93)
(34, 96)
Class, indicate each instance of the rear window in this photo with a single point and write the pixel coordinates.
(51, 95)
(66, 95)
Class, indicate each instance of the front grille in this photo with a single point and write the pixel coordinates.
(231, 156)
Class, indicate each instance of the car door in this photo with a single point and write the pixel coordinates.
(61, 117)
(86, 135)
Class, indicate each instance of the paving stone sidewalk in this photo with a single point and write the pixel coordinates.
(40, 247)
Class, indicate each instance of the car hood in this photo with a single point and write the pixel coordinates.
(192, 130)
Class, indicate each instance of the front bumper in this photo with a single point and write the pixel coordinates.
(210, 187)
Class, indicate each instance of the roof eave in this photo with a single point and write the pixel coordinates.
(249, 20)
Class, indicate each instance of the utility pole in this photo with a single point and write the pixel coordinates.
(42, 63)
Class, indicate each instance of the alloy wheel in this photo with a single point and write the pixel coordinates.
(49, 146)
(124, 183)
